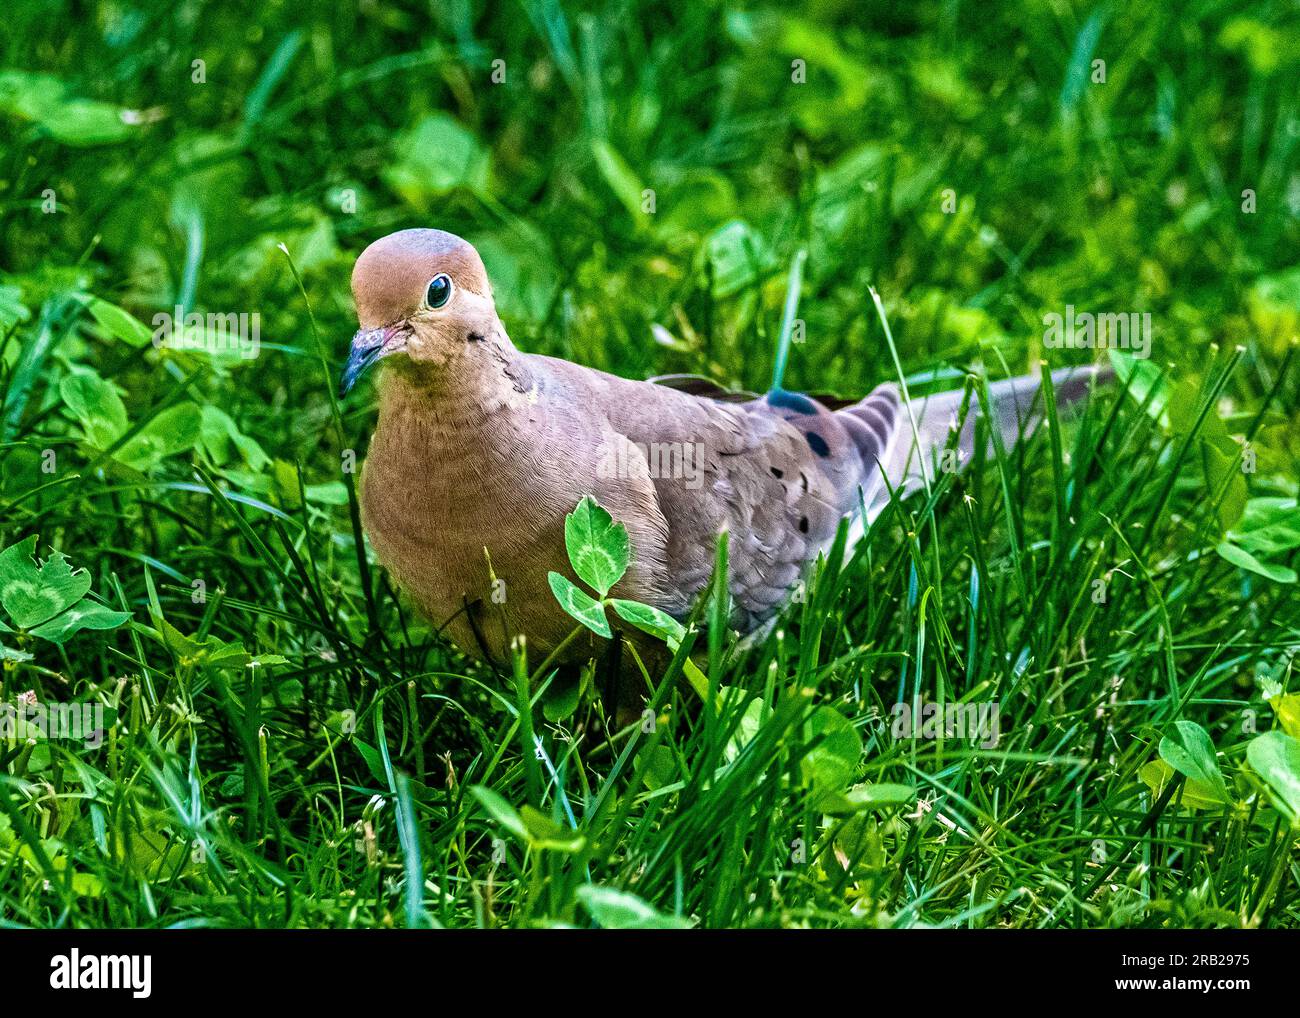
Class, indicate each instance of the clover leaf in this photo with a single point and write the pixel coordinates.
(583, 607)
(1190, 752)
(48, 599)
(598, 547)
(599, 551)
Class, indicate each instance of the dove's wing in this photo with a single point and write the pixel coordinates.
(778, 473)
(778, 485)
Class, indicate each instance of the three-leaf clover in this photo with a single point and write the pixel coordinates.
(599, 551)
(48, 599)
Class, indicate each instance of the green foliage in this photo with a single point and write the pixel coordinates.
(618, 910)
(649, 620)
(1268, 528)
(435, 157)
(599, 549)
(45, 100)
(1190, 752)
(289, 743)
(48, 599)
(583, 607)
(1275, 757)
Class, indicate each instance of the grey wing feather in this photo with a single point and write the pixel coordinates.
(780, 472)
(777, 479)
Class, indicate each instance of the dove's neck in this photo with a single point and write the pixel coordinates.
(451, 446)
(453, 450)
(481, 389)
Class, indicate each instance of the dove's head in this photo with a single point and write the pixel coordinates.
(423, 299)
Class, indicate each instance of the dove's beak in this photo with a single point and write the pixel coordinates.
(368, 345)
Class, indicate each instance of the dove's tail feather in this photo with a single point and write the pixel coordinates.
(911, 457)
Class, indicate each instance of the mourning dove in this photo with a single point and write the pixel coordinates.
(480, 451)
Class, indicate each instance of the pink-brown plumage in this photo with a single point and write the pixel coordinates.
(480, 451)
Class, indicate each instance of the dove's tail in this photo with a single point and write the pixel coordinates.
(911, 442)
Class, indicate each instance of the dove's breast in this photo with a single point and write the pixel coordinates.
(466, 512)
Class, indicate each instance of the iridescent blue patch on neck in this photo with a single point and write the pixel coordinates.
(796, 401)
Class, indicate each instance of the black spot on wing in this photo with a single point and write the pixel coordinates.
(796, 401)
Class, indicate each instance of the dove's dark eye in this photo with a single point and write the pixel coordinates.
(439, 290)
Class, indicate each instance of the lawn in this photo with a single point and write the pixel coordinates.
(1108, 612)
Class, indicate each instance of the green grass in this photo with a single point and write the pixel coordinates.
(363, 773)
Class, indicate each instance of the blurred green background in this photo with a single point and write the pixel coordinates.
(323, 127)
